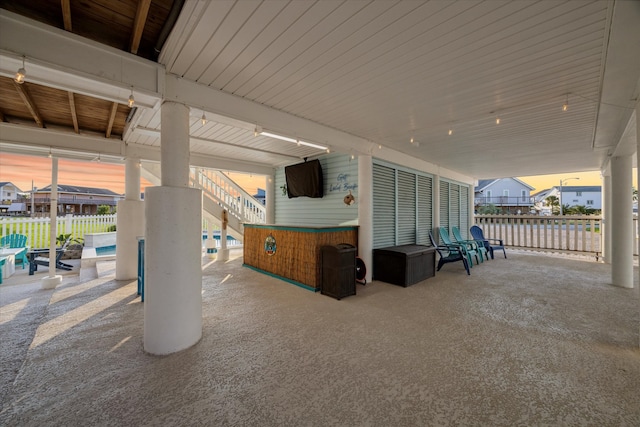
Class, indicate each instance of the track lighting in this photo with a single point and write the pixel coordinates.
(450, 132)
(294, 140)
(497, 120)
(565, 106)
(132, 100)
(204, 119)
(50, 154)
(21, 74)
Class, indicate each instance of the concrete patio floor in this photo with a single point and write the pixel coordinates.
(529, 340)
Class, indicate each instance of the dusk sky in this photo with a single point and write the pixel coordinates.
(21, 170)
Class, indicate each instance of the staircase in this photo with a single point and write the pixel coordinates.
(219, 192)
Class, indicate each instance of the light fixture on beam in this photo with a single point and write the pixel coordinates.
(204, 119)
(293, 140)
(565, 106)
(132, 100)
(497, 120)
(21, 74)
(50, 153)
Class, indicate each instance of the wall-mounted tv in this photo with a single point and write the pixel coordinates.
(304, 179)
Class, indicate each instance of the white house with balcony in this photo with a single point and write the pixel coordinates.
(8, 193)
(589, 196)
(511, 195)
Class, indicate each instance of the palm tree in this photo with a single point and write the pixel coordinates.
(554, 202)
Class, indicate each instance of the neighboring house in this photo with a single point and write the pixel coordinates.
(540, 200)
(260, 196)
(510, 195)
(75, 200)
(9, 194)
(589, 196)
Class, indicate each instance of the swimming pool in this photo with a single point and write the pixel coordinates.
(103, 253)
(106, 250)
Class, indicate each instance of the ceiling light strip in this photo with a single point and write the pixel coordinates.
(293, 140)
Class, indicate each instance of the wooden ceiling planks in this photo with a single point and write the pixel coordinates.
(44, 106)
(129, 25)
(23, 92)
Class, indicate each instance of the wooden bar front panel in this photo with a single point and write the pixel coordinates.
(297, 255)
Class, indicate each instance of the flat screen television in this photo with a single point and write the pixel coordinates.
(304, 179)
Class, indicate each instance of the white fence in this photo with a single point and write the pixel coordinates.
(37, 230)
(576, 233)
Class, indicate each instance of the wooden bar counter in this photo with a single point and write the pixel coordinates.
(292, 253)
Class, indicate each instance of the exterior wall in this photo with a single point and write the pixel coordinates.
(340, 174)
(573, 198)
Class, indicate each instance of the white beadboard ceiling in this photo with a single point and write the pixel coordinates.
(389, 71)
(355, 75)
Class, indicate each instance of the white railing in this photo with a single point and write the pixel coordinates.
(222, 190)
(578, 233)
(37, 230)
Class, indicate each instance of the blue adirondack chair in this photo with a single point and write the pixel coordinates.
(468, 250)
(489, 244)
(473, 244)
(17, 241)
(449, 254)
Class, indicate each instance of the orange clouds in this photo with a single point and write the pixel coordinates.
(23, 170)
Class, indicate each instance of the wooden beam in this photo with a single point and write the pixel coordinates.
(74, 114)
(112, 118)
(138, 24)
(28, 102)
(66, 14)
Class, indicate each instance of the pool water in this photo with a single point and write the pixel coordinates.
(106, 250)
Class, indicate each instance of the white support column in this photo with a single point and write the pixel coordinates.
(173, 244)
(270, 199)
(637, 223)
(174, 155)
(436, 203)
(129, 223)
(472, 208)
(621, 222)
(210, 244)
(52, 280)
(606, 214)
(223, 253)
(365, 212)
